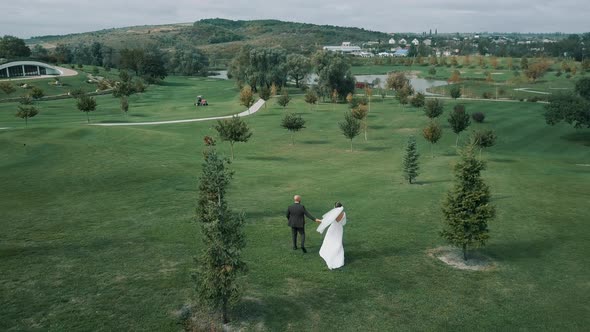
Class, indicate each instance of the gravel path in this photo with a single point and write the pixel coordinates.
(253, 109)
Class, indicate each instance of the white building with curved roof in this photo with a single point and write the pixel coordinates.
(16, 69)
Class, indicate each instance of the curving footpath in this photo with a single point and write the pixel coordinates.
(253, 109)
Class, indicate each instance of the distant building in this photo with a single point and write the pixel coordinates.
(401, 53)
(415, 42)
(403, 42)
(391, 41)
(27, 68)
(346, 47)
(427, 42)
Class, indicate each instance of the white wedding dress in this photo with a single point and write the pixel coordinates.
(332, 250)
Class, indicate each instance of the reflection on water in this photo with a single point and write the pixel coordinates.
(419, 84)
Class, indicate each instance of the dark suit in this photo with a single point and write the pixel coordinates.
(296, 214)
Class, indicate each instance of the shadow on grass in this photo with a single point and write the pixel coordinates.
(421, 183)
(377, 148)
(520, 249)
(352, 255)
(114, 121)
(266, 158)
(502, 160)
(581, 137)
(377, 127)
(138, 115)
(275, 313)
(317, 141)
(167, 83)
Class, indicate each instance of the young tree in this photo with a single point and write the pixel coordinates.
(220, 262)
(311, 98)
(383, 93)
(396, 81)
(264, 94)
(350, 99)
(86, 104)
(360, 113)
(455, 77)
(124, 104)
(369, 94)
(404, 93)
(26, 112)
(455, 91)
(233, 130)
(246, 97)
(484, 138)
(293, 123)
(433, 108)
(467, 207)
(37, 93)
(284, 99)
(411, 166)
(419, 100)
(432, 133)
(7, 88)
(459, 120)
(350, 128)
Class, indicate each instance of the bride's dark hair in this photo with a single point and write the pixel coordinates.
(337, 204)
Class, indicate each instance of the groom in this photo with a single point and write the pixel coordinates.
(296, 214)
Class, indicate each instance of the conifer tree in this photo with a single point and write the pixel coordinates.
(467, 207)
(220, 263)
(411, 166)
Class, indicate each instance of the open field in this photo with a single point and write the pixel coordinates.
(98, 229)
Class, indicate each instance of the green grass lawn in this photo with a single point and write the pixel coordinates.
(98, 229)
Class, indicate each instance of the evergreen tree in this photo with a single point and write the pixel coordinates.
(455, 91)
(233, 130)
(411, 160)
(459, 120)
(220, 263)
(350, 128)
(467, 207)
(293, 122)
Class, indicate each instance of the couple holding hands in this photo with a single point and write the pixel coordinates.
(332, 250)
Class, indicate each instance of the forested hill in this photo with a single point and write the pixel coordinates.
(219, 38)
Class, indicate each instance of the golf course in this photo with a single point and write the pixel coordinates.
(99, 230)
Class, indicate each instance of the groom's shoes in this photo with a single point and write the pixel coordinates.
(304, 250)
(295, 248)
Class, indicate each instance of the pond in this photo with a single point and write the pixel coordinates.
(419, 84)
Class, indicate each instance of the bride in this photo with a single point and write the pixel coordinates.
(332, 251)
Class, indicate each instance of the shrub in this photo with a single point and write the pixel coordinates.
(486, 95)
(478, 117)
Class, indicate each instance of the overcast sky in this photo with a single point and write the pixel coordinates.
(48, 17)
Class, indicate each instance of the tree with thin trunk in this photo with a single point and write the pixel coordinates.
(220, 263)
(433, 108)
(264, 94)
(411, 166)
(284, 99)
(369, 94)
(459, 120)
(360, 113)
(124, 104)
(467, 207)
(293, 123)
(484, 138)
(432, 133)
(26, 112)
(246, 97)
(86, 104)
(350, 128)
(334, 99)
(7, 88)
(311, 98)
(233, 130)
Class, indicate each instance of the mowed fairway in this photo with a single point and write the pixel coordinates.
(98, 226)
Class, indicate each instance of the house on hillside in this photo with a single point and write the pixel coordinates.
(391, 41)
(403, 42)
(346, 47)
(415, 42)
(427, 42)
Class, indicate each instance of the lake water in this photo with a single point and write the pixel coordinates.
(419, 84)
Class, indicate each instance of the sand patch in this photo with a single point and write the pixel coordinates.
(454, 257)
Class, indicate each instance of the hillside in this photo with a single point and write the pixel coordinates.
(219, 38)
